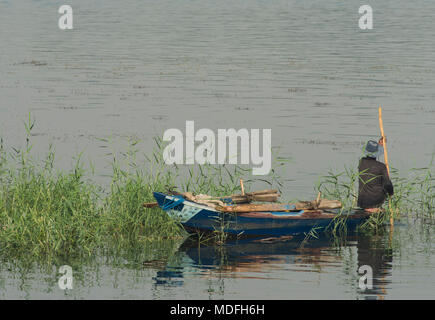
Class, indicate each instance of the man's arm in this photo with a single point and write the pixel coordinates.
(386, 182)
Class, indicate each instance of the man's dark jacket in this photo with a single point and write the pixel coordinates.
(374, 183)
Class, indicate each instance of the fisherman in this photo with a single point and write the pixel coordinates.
(374, 181)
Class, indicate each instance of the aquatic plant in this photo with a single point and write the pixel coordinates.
(47, 213)
(42, 211)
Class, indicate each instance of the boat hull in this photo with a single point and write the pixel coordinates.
(199, 218)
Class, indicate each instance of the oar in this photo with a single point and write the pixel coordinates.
(386, 160)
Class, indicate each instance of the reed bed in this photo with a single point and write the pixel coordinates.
(49, 213)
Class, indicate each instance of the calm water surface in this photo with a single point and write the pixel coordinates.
(293, 269)
(301, 68)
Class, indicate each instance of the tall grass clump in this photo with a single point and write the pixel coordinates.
(123, 216)
(42, 211)
(416, 191)
(46, 213)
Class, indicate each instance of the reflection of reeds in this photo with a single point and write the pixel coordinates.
(312, 234)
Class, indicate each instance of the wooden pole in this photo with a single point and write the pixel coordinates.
(242, 187)
(381, 125)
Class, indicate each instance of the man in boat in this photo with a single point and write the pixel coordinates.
(374, 182)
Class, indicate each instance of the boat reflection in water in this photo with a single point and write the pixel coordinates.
(281, 258)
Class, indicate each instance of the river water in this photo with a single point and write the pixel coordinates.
(301, 68)
(292, 269)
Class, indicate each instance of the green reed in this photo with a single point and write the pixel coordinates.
(42, 211)
(47, 213)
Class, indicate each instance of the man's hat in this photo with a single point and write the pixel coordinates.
(372, 149)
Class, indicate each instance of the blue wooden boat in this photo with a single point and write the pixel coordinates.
(196, 217)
